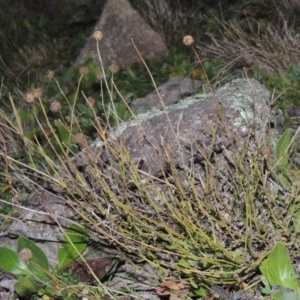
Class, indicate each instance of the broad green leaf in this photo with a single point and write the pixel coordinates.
(63, 132)
(82, 108)
(283, 295)
(50, 291)
(26, 287)
(282, 147)
(11, 262)
(121, 110)
(278, 270)
(79, 237)
(266, 289)
(39, 262)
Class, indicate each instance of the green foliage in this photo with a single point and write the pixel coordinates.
(11, 262)
(26, 287)
(277, 270)
(34, 274)
(76, 239)
(296, 223)
(282, 156)
(285, 88)
(38, 264)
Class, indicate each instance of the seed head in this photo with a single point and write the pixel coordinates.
(114, 68)
(81, 141)
(50, 75)
(25, 254)
(266, 151)
(83, 70)
(98, 35)
(90, 101)
(29, 98)
(188, 40)
(37, 93)
(100, 76)
(55, 106)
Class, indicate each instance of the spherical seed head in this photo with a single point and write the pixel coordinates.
(50, 75)
(25, 254)
(266, 151)
(55, 106)
(114, 68)
(188, 40)
(98, 35)
(37, 93)
(90, 101)
(100, 76)
(29, 98)
(81, 140)
(83, 70)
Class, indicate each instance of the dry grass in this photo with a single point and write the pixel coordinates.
(249, 43)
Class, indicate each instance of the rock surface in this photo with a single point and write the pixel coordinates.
(120, 23)
(169, 93)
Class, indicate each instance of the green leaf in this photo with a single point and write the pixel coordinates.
(282, 148)
(131, 75)
(184, 262)
(63, 132)
(83, 109)
(39, 263)
(297, 222)
(79, 237)
(283, 295)
(278, 270)
(11, 262)
(284, 180)
(121, 110)
(50, 291)
(26, 287)
(180, 73)
(282, 156)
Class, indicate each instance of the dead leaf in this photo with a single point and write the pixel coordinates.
(100, 267)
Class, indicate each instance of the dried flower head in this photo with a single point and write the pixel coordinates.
(81, 141)
(98, 35)
(37, 93)
(100, 76)
(114, 68)
(50, 75)
(25, 254)
(83, 70)
(29, 98)
(55, 106)
(266, 151)
(188, 40)
(90, 101)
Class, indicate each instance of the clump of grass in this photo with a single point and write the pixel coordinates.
(268, 48)
(186, 228)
